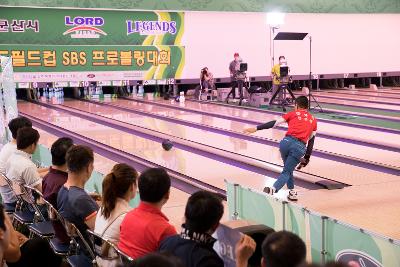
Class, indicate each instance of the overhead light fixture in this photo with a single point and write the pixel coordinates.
(275, 19)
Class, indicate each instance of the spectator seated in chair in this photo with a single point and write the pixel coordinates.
(143, 228)
(73, 203)
(194, 246)
(119, 187)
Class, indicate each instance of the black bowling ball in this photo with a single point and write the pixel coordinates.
(167, 145)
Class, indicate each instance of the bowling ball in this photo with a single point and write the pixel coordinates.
(167, 145)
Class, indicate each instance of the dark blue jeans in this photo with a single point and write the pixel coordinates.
(291, 152)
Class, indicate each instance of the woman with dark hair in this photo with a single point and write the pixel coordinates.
(119, 187)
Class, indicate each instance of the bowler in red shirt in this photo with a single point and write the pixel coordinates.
(296, 147)
(143, 228)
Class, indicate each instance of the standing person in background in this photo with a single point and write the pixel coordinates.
(234, 68)
(276, 74)
(302, 128)
(119, 187)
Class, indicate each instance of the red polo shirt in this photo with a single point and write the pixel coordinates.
(143, 229)
(301, 124)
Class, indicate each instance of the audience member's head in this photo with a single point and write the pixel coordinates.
(4, 232)
(283, 249)
(80, 161)
(59, 150)
(203, 212)
(301, 102)
(119, 183)
(157, 259)
(27, 139)
(154, 186)
(15, 124)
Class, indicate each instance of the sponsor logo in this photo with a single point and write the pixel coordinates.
(84, 27)
(150, 27)
(355, 258)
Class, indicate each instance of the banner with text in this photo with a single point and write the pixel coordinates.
(71, 40)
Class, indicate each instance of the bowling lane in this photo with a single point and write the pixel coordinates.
(386, 91)
(358, 93)
(202, 168)
(341, 131)
(356, 97)
(350, 102)
(174, 208)
(213, 139)
(319, 166)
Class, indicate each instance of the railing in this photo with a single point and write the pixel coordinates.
(329, 239)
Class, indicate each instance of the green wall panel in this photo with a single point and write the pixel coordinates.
(294, 6)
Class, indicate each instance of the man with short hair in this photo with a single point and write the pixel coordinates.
(57, 175)
(56, 178)
(194, 246)
(283, 249)
(146, 226)
(19, 167)
(297, 145)
(8, 149)
(234, 68)
(73, 203)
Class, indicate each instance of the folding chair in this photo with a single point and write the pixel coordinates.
(41, 226)
(23, 214)
(60, 248)
(5, 182)
(125, 259)
(80, 259)
(106, 250)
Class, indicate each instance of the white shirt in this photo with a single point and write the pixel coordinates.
(112, 224)
(21, 169)
(5, 153)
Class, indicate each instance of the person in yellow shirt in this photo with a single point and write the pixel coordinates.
(275, 72)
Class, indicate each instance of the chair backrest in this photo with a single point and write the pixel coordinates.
(125, 259)
(102, 247)
(28, 196)
(107, 250)
(74, 233)
(53, 213)
(16, 190)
